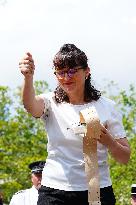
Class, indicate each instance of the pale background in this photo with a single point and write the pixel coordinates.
(104, 29)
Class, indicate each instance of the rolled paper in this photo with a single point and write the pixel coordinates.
(90, 117)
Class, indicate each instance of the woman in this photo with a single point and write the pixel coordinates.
(64, 179)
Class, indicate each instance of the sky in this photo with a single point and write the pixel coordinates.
(104, 29)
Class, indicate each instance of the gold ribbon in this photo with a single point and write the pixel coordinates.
(90, 118)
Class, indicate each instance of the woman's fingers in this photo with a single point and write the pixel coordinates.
(103, 129)
(26, 65)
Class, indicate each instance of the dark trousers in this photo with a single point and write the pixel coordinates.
(49, 196)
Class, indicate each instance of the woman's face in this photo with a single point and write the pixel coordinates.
(72, 80)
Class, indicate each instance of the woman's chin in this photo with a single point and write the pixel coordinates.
(69, 88)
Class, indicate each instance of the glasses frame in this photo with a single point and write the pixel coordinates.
(61, 73)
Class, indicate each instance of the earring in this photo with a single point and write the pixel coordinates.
(86, 77)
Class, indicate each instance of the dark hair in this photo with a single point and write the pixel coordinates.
(70, 56)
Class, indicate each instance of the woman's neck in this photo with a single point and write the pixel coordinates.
(77, 100)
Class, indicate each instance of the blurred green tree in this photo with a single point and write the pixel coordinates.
(124, 175)
(22, 141)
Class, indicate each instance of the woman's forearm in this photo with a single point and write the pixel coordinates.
(28, 94)
(120, 150)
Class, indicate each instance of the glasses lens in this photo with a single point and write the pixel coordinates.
(71, 72)
(60, 74)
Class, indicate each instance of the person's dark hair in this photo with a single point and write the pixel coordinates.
(69, 56)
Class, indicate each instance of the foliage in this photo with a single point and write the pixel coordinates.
(129, 110)
(124, 175)
(5, 102)
(22, 139)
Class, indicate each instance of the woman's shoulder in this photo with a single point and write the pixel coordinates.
(106, 103)
(106, 100)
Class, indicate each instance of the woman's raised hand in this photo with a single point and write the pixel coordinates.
(26, 65)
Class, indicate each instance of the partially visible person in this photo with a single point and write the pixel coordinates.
(1, 199)
(30, 196)
(133, 194)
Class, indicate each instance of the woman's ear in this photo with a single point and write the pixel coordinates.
(87, 72)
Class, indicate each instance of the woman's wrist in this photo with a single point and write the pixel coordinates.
(112, 145)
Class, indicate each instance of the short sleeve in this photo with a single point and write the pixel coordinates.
(115, 125)
(47, 102)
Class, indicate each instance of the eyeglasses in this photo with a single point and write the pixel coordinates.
(70, 72)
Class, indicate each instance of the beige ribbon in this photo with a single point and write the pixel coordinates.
(89, 116)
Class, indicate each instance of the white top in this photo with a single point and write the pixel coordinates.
(65, 168)
(25, 197)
